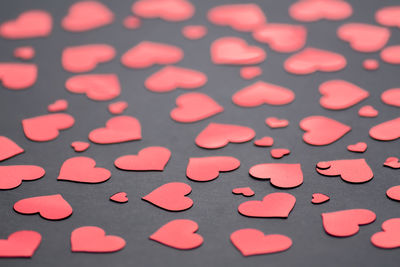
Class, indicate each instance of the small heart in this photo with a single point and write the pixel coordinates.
(120, 197)
(350, 170)
(235, 51)
(8, 148)
(394, 193)
(278, 153)
(274, 122)
(193, 107)
(281, 175)
(346, 223)
(179, 234)
(46, 127)
(83, 170)
(273, 205)
(315, 10)
(392, 162)
(153, 158)
(208, 168)
(79, 146)
(194, 32)
(370, 64)
(217, 135)
(391, 97)
(118, 107)
(21, 244)
(17, 76)
(250, 72)
(169, 10)
(94, 239)
(391, 54)
(245, 191)
(359, 147)
(253, 242)
(265, 141)
(368, 112)
(171, 197)
(58, 105)
(52, 207)
(390, 236)
(386, 131)
(132, 22)
(12, 176)
(318, 198)
(118, 129)
(24, 52)
(388, 16)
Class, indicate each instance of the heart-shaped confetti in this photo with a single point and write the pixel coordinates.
(282, 175)
(12, 176)
(120, 197)
(21, 244)
(8, 148)
(350, 170)
(83, 170)
(308, 11)
(390, 236)
(152, 158)
(208, 168)
(245, 191)
(94, 239)
(318, 198)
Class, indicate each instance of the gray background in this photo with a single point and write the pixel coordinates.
(215, 207)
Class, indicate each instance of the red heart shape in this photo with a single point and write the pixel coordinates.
(392, 162)
(153, 158)
(170, 78)
(87, 15)
(119, 197)
(364, 37)
(83, 170)
(394, 192)
(339, 94)
(263, 93)
(350, 170)
(273, 205)
(29, 24)
(24, 52)
(235, 51)
(12, 176)
(21, 244)
(241, 17)
(386, 131)
(94, 239)
(207, 168)
(390, 236)
(346, 223)
(318, 198)
(99, 87)
(58, 105)
(17, 76)
(245, 191)
(194, 32)
(46, 127)
(169, 10)
(370, 64)
(8, 148)
(52, 207)
(86, 57)
(321, 131)
(193, 107)
(146, 54)
(274, 122)
(250, 72)
(117, 107)
(309, 11)
(118, 129)
(391, 54)
(312, 59)
(80, 146)
(388, 16)
(253, 242)
(281, 175)
(179, 234)
(368, 111)
(217, 135)
(278, 153)
(171, 196)
(265, 141)
(284, 38)
(359, 147)
(391, 97)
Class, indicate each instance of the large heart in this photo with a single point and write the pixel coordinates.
(390, 236)
(83, 170)
(94, 239)
(208, 168)
(386, 131)
(350, 170)
(12, 176)
(281, 175)
(8, 148)
(308, 11)
(21, 244)
(153, 158)
(17, 76)
(169, 10)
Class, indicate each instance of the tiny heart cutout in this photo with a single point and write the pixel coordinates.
(263, 93)
(194, 32)
(390, 236)
(118, 129)
(12, 176)
(391, 97)
(250, 72)
(346, 223)
(94, 239)
(241, 17)
(8, 148)
(273, 205)
(394, 193)
(153, 158)
(147, 54)
(179, 234)
(132, 22)
(52, 207)
(193, 107)
(120, 197)
(87, 15)
(171, 197)
(392, 162)
(58, 105)
(46, 127)
(368, 112)
(85, 58)
(339, 94)
(253, 242)
(21, 244)
(79, 146)
(360, 147)
(24, 52)
(169, 10)
(274, 122)
(388, 16)
(350, 170)
(245, 191)
(29, 24)
(370, 64)
(321, 131)
(17, 76)
(217, 135)
(364, 37)
(235, 51)
(308, 11)
(278, 153)
(118, 107)
(208, 168)
(99, 87)
(281, 175)
(170, 78)
(318, 198)
(386, 131)
(265, 141)
(312, 59)
(83, 170)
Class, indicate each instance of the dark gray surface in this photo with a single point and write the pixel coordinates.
(215, 207)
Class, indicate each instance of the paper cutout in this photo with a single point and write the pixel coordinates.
(391, 97)
(169, 10)
(171, 197)
(250, 72)
(368, 112)
(152, 158)
(118, 107)
(132, 22)
(388, 16)
(350, 170)
(360, 147)
(345, 223)
(83, 170)
(391, 54)
(392, 162)
(79, 146)
(386, 131)
(281, 175)
(94, 239)
(194, 32)
(318, 198)
(370, 64)
(58, 105)
(24, 52)
(245, 191)
(12, 176)
(394, 193)
(208, 168)
(274, 122)
(20, 244)
(265, 141)
(278, 153)
(309, 11)
(277, 205)
(17, 76)
(390, 236)
(119, 197)
(179, 234)
(8, 148)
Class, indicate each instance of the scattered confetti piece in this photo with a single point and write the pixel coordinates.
(281, 175)
(132, 22)
(8, 148)
(389, 238)
(359, 147)
(83, 170)
(394, 193)
(11, 73)
(386, 131)
(388, 16)
(368, 112)
(24, 52)
(251, 72)
(265, 141)
(391, 54)
(153, 158)
(392, 162)
(391, 97)
(370, 64)
(20, 244)
(245, 191)
(194, 32)
(79, 146)
(278, 153)
(58, 105)
(12, 176)
(318, 198)
(169, 10)
(208, 168)
(94, 239)
(350, 170)
(274, 122)
(118, 107)
(309, 11)
(120, 197)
